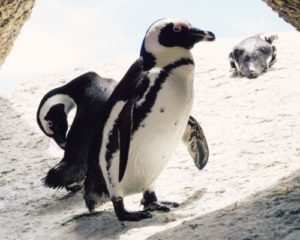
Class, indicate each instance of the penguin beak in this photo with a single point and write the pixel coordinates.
(200, 35)
(62, 145)
(62, 142)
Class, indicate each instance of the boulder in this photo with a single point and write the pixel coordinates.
(289, 10)
(13, 14)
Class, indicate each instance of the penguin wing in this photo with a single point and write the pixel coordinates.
(126, 90)
(125, 129)
(195, 141)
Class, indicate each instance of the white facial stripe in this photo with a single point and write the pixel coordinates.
(181, 25)
(56, 99)
(156, 27)
(269, 60)
(164, 55)
(237, 65)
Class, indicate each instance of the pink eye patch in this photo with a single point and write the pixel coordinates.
(181, 25)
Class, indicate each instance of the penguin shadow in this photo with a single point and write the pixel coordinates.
(277, 208)
(234, 74)
(197, 195)
(105, 225)
(58, 204)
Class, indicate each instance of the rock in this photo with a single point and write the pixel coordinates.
(289, 10)
(13, 15)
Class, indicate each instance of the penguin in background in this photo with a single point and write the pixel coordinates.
(88, 93)
(143, 121)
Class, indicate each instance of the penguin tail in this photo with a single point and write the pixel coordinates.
(65, 175)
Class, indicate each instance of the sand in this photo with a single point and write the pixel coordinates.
(250, 188)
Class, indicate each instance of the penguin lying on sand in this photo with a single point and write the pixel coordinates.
(144, 120)
(88, 93)
(253, 56)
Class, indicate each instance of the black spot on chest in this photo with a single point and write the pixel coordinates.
(141, 112)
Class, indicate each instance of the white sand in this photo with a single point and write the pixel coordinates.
(253, 132)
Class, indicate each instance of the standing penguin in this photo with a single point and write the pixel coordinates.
(87, 93)
(144, 120)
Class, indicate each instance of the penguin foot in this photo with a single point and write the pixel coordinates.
(151, 204)
(124, 215)
(160, 206)
(92, 200)
(95, 191)
(91, 205)
(133, 216)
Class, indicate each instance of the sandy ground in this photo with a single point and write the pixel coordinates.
(250, 188)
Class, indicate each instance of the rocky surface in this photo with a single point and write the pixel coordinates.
(13, 14)
(289, 10)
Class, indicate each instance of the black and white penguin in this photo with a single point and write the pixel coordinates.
(253, 56)
(144, 120)
(87, 93)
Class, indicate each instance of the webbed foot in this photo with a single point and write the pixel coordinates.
(151, 204)
(124, 215)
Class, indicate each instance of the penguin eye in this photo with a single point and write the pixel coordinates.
(237, 53)
(50, 124)
(177, 28)
(264, 50)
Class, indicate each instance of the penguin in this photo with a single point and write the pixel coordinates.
(87, 93)
(144, 120)
(253, 56)
(81, 93)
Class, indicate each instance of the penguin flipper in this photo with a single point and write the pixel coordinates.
(195, 141)
(125, 127)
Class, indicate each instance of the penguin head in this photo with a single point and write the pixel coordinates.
(54, 124)
(52, 117)
(167, 34)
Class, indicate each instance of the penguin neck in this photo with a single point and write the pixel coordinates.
(164, 57)
(65, 99)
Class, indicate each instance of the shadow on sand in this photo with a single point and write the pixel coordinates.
(271, 214)
(105, 225)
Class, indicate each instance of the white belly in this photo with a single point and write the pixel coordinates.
(155, 140)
